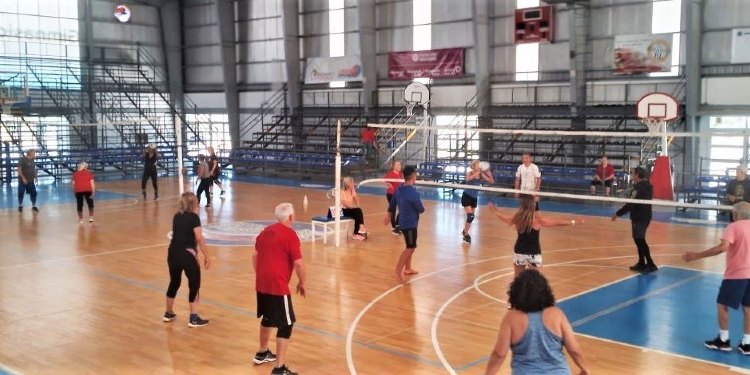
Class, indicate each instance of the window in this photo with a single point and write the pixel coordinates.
(336, 40)
(527, 54)
(665, 18)
(422, 30)
(727, 151)
(39, 28)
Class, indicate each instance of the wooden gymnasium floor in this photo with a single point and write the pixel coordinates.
(88, 299)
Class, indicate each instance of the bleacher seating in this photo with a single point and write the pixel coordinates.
(245, 160)
(709, 187)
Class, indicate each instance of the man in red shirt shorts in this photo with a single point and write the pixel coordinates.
(277, 252)
(604, 175)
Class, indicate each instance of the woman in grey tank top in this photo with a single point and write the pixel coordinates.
(535, 331)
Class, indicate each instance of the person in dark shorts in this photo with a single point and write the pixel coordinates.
(640, 218)
(186, 248)
(527, 252)
(409, 204)
(204, 176)
(27, 179)
(277, 253)
(603, 175)
(474, 177)
(215, 168)
(150, 157)
(735, 287)
(84, 187)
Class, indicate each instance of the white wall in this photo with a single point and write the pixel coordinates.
(726, 91)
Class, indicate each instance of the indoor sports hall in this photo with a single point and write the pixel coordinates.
(437, 155)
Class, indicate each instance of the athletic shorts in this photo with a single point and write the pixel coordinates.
(534, 260)
(276, 310)
(607, 183)
(410, 238)
(468, 201)
(733, 292)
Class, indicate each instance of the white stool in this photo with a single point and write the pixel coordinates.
(325, 222)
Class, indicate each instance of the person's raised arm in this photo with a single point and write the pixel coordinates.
(690, 256)
(547, 222)
(572, 346)
(504, 218)
(502, 346)
(487, 176)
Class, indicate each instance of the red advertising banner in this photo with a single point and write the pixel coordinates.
(436, 63)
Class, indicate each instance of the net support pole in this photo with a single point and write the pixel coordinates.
(180, 170)
(664, 139)
(337, 184)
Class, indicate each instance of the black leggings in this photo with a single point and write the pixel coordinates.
(393, 215)
(187, 262)
(639, 237)
(89, 202)
(357, 215)
(152, 175)
(205, 185)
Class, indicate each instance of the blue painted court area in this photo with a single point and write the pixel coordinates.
(49, 194)
(672, 310)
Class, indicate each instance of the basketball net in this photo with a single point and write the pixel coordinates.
(410, 108)
(653, 124)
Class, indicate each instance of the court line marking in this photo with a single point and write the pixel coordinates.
(8, 370)
(82, 256)
(632, 301)
(619, 307)
(247, 312)
(373, 302)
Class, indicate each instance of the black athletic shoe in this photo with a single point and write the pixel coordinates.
(20, 208)
(396, 231)
(638, 267)
(744, 348)
(283, 370)
(467, 237)
(197, 322)
(717, 344)
(34, 209)
(650, 268)
(263, 357)
(169, 316)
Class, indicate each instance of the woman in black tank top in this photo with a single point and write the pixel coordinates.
(528, 222)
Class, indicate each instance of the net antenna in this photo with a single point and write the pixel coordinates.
(416, 94)
(656, 110)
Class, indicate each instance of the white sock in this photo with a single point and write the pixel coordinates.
(745, 339)
(724, 335)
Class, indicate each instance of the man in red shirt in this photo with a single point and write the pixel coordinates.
(277, 252)
(604, 175)
(369, 144)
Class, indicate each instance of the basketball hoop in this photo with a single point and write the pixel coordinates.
(656, 109)
(415, 94)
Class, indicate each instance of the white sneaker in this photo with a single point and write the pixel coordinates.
(91, 220)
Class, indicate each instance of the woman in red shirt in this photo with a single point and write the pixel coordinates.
(394, 174)
(83, 187)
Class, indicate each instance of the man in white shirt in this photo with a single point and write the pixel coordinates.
(528, 177)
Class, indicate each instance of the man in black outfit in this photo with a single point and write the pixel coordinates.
(149, 170)
(640, 218)
(738, 190)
